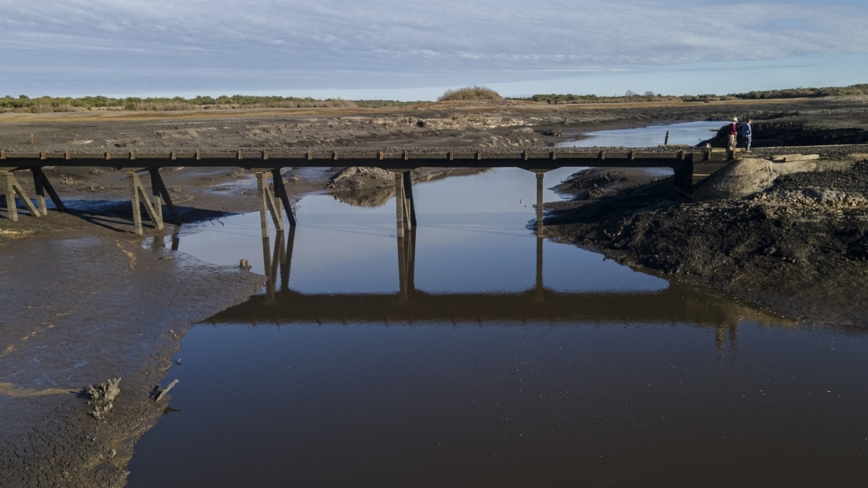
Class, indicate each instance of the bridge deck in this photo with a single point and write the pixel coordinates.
(546, 158)
(690, 165)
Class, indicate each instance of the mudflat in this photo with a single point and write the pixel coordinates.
(84, 300)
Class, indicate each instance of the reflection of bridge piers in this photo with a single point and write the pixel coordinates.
(678, 304)
(407, 264)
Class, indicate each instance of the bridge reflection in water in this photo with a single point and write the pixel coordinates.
(677, 304)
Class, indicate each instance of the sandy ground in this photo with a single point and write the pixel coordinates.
(84, 300)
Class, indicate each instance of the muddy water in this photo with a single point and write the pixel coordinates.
(473, 354)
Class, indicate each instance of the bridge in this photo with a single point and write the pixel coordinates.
(690, 166)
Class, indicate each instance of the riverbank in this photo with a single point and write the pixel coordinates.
(798, 247)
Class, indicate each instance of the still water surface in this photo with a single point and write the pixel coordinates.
(691, 133)
(473, 354)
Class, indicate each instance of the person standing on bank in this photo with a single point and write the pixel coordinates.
(733, 133)
(747, 134)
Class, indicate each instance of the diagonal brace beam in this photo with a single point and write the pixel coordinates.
(140, 198)
(11, 188)
(42, 184)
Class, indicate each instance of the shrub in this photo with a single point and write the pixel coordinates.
(470, 93)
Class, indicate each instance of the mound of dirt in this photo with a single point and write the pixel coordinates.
(361, 178)
(799, 247)
(749, 176)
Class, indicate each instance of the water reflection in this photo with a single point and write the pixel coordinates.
(690, 133)
(675, 304)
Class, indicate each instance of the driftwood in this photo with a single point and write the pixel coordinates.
(789, 158)
(161, 392)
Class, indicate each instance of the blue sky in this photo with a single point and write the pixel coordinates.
(415, 49)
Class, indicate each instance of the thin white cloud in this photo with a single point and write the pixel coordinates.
(319, 43)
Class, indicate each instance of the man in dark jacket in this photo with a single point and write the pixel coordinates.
(747, 134)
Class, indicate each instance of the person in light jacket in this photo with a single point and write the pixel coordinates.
(747, 134)
(733, 133)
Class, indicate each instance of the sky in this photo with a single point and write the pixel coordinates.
(416, 49)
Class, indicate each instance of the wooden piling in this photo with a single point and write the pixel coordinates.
(399, 204)
(267, 204)
(411, 202)
(139, 198)
(40, 193)
(160, 190)
(263, 210)
(12, 188)
(39, 175)
(280, 194)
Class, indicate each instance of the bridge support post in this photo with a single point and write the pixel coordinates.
(540, 207)
(137, 191)
(408, 195)
(12, 188)
(41, 183)
(267, 205)
(280, 193)
(400, 206)
(159, 190)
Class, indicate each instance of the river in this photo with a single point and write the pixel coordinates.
(471, 353)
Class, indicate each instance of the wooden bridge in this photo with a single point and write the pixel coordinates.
(690, 166)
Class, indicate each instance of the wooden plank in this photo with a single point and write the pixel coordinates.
(790, 158)
(58, 203)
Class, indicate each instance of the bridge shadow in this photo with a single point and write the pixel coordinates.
(678, 304)
(117, 215)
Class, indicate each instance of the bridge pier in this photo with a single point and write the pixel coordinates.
(405, 207)
(139, 198)
(540, 207)
(158, 188)
(40, 181)
(267, 205)
(280, 193)
(12, 188)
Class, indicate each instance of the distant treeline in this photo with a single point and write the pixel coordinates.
(556, 99)
(68, 104)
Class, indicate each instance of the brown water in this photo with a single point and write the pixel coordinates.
(473, 354)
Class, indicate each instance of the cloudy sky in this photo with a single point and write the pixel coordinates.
(414, 49)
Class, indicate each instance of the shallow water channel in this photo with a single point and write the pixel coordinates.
(471, 353)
